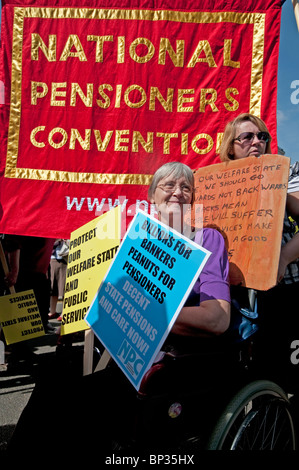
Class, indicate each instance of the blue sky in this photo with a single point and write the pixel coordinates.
(288, 74)
(288, 84)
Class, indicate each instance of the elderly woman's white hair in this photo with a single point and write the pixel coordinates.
(176, 170)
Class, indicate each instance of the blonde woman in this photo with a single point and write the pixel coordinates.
(246, 136)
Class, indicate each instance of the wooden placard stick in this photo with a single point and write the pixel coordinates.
(88, 355)
(103, 362)
(88, 352)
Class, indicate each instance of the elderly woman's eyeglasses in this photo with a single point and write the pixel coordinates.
(170, 187)
(249, 136)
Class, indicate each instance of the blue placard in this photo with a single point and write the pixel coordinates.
(143, 292)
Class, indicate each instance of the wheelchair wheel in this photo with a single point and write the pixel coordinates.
(257, 418)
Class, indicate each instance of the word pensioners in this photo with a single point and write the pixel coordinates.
(73, 49)
(106, 96)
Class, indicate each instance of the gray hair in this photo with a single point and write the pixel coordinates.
(176, 169)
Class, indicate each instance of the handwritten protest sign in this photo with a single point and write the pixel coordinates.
(92, 248)
(143, 292)
(245, 200)
(19, 317)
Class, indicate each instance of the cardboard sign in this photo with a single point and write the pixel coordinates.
(19, 317)
(92, 248)
(245, 200)
(143, 292)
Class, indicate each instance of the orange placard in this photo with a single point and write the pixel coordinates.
(245, 200)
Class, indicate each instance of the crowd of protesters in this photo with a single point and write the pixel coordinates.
(40, 264)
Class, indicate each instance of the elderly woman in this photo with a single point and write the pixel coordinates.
(110, 404)
(207, 310)
(246, 136)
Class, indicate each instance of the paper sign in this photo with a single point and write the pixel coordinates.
(245, 200)
(143, 292)
(19, 317)
(92, 248)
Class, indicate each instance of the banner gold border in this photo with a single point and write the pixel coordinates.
(20, 13)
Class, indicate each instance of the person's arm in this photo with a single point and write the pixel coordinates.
(14, 265)
(210, 317)
(290, 251)
(293, 205)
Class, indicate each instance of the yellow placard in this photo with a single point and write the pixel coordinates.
(19, 317)
(92, 248)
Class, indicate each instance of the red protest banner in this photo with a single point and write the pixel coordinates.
(100, 97)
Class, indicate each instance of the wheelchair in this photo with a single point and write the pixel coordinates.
(209, 400)
(190, 400)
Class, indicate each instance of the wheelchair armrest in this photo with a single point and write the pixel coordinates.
(149, 377)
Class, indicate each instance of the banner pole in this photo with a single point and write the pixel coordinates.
(296, 11)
